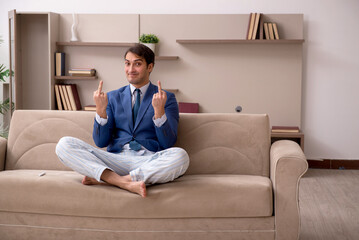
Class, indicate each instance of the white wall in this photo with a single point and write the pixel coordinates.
(330, 113)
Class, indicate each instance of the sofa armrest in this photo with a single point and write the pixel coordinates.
(288, 164)
(3, 145)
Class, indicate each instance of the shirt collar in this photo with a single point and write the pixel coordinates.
(143, 89)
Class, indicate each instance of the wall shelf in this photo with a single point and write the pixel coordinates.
(109, 44)
(95, 44)
(166, 57)
(239, 41)
(74, 78)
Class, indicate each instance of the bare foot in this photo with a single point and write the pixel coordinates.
(124, 182)
(136, 187)
(91, 181)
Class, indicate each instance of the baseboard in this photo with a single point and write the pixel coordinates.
(334, 164)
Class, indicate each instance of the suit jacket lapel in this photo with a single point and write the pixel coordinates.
(126, 101)
(147, 100)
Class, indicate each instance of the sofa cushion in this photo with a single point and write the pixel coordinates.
(33, 136)
(222, 143)
(190, 196)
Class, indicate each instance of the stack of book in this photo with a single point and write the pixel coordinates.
(67, 97)
(258, 29)
(254, 30)
(82, 72)
(271, 31)
(285, 129)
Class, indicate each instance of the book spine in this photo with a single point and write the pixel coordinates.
(255, 28)
(63, 97)
(261, 29)
(58, 97)
(270, 28)
(59, 64)
(275, 30)
(266, 31)
(251, 25)
(76, 96)
(67, 100)
(81, 72)
(71, 97)
(81, 75)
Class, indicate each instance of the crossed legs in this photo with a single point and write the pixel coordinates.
(125, 170)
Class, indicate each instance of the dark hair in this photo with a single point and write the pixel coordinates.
(142, 51)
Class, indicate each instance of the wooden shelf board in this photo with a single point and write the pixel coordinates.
(74, 78)
(109, 44)
(289, 134)
(238, 41)
(167, 57)
(96, 44)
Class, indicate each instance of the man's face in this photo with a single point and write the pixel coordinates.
(136, 69)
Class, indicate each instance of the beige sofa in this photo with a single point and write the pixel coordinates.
(238, 186)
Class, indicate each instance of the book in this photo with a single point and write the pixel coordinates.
(261, 28)
(58, 97)
(270, 28)
(255, 27)
(188, 107)
(71, 97)
(76, 96)
(59, 64)
(66, 96)
(275, 30)
(82, 72)
(82, 69)
(250, 26)
(285, 129)
(90, 108)
(266, 31)
(82, 75)
(62, 97)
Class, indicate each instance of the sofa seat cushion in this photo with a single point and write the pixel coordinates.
(190, 196)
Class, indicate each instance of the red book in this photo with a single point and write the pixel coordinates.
(188, 107)
(76, 96)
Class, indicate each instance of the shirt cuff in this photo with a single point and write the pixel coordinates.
(101, 121)
(160, 121)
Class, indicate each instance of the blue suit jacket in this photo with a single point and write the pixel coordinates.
(120, 129)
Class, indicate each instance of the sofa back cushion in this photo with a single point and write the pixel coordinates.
(216, 143)
(220, 143)
(33, 136)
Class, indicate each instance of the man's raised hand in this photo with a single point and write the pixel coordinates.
(100, 99)
(159, 101)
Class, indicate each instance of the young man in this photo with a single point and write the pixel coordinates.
(138, 125)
